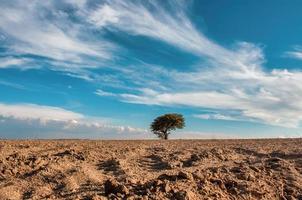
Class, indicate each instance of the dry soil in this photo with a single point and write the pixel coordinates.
(175, 169)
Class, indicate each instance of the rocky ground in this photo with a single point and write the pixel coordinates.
(176, 169)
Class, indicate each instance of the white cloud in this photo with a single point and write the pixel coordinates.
(148, 18)
(273, 98)
(44, 29)
(232, 78)
(216, 116)
(7, 62)
(33, 111)
(77, 3)
(100, 92)
(104, 15)
(295, 53)
(12, 85)
(36, 121)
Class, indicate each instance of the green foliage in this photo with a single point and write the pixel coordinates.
(162, 125)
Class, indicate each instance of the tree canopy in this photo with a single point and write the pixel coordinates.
(163, 125)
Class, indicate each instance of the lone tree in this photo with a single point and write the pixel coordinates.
(162, 125)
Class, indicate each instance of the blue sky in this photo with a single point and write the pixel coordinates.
(106, 69)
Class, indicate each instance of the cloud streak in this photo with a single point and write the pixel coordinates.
(272, 98)
(33, 111)
(295, 53)
(150, 19)
(36, 121)
(45, 29)
(8, 62)
(232, 78)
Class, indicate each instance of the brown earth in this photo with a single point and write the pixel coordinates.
(176, 169)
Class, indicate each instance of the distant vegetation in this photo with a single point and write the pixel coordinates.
(163, 125)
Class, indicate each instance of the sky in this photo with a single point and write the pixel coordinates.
(102, 69)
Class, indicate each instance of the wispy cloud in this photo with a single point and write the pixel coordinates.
(12, 85)
(215, 116)
(295, 53)
(46, 29)
(100, 92)
(150, 19)
(31, 120)
(30, 111)
(9, 62)
(230, 78)
(273, 98)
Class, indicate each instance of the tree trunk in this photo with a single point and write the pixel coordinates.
(166, 136)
